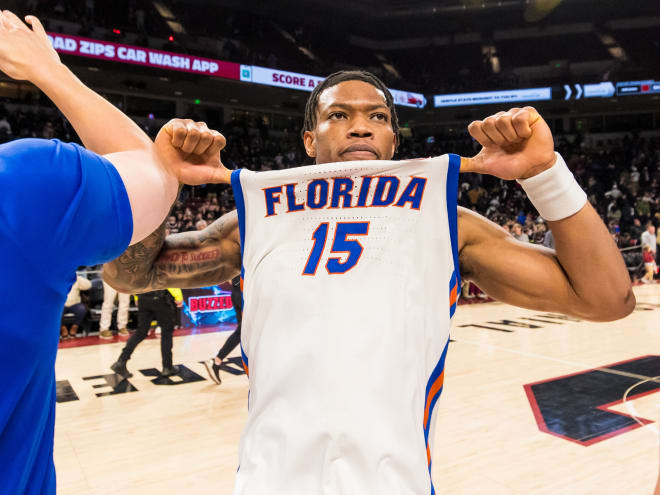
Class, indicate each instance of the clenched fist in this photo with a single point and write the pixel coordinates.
(515, 145)
(192, 152)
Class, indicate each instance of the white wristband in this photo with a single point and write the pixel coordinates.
(554, 192)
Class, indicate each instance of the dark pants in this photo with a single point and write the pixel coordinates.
(79, 310)
(235, 338)
(158, 306)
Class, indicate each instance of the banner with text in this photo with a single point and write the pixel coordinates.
(305, 82)
(116, 52)
(490, 97)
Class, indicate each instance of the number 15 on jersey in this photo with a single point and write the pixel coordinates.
(340, 244)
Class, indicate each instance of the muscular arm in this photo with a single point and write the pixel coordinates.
(186, 260)
(584, 277)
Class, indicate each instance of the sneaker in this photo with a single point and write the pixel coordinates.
(213, 370)
(119, 367)
(105, 335)
(174, 370)
(123, 332)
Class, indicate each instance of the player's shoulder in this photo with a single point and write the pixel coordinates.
(31, 158)
(19, 148)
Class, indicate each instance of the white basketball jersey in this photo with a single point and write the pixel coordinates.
(350, 280)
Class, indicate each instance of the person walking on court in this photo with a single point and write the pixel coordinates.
(109, 296)
(158, 305)
(214, 364)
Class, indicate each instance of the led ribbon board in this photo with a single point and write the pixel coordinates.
(491, 97)
(306, 82)
(136, 55)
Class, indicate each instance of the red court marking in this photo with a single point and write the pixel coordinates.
(540, 421)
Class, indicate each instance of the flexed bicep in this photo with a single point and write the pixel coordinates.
(588, 282)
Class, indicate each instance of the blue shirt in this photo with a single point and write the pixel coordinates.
(61, 206)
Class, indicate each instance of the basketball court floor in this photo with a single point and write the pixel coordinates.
(533, 403)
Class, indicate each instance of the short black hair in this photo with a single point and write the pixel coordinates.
(339, 77)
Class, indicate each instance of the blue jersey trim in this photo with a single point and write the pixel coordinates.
(439, 368)
(240, 209)
(452, 208)
(240, 205)
(453, 282)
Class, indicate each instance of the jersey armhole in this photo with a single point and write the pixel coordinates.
(452, 208)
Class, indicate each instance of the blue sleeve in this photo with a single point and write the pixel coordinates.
(63, 205)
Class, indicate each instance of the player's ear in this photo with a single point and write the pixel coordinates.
(309, 140)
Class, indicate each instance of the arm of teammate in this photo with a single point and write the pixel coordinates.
(150, 172)
(585, 276)
(188, 259)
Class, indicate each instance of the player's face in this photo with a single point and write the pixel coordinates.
(353, 123)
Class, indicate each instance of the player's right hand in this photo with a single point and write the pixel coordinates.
(25, 53)
(192, 152)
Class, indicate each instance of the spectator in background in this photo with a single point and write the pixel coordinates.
(643, 205)
(475, 194)
(634, 180)
(109, 296)
(201, 225)
(636, 229)
(173, 225)
(614, 211)
(649, 238)
(74, 305)
(613, 193)
(518, 233)
(649, 264)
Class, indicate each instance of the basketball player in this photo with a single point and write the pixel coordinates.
(88, 206)
(344, 251)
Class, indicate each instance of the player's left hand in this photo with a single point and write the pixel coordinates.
(25, 53)
(516, 145)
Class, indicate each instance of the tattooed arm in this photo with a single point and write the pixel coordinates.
(186, 260)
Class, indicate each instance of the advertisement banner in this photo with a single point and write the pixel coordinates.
(305, 82)
(136, 55)
(408, 99)
(637, 87)
(279, 78)
(491, 97)
(207, 306)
